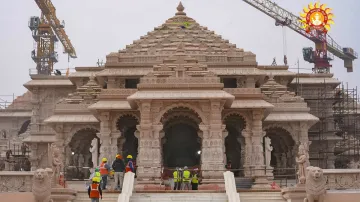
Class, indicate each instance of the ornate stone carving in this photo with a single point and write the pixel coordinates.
(94, 152)
(56, 163)
(41, 187)
(315, 185)
(268, 149)
(303, 162)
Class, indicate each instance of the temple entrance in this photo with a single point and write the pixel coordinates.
(127, 143)
(181, 143)
(78, 158)
(234, 142)
(283, 153)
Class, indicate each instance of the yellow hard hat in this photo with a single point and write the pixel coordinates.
(96, 179)
(104, 159)
(129, 156)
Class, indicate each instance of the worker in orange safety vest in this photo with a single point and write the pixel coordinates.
(104, 171)
(94, 190)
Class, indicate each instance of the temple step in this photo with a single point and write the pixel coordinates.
(243, 183)
(180, 197)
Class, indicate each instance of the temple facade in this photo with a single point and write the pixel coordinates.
(179, 96)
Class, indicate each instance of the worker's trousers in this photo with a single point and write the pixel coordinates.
(118, 179)
(186, 186)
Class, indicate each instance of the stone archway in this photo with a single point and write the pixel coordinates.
(128, 142)
(234, 141)
(284, 151)
(78, 158)
(181, 143)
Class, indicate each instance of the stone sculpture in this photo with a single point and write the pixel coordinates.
(268, 149)
(315, 185)
(41, 187)
(94, 152)
(56, 163)
(303, 162)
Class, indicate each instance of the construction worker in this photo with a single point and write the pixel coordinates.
(96, 173)
(177, 179)
(119, 167)
(186, 179)
(104, 171)
(94, 190)
(129, 164)
(195, 180)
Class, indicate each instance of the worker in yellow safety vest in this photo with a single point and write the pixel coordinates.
(177, 179)
(195, 180)
(186, 179)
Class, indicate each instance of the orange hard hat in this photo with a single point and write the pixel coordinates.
(118, 156)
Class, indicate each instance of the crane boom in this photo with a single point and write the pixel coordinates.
(49, 11)
(328, 44)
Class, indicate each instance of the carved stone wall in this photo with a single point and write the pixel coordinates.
(13, 181)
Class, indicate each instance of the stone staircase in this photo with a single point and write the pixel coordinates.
(180, 197)
(188, 197)
(261, 197)
(243, 183)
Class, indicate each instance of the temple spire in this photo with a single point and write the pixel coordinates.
(180, 8)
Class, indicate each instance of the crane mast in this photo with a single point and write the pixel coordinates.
(323, 42)
(47, 31)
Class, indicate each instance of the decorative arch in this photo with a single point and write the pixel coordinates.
(284, 127)
(76, 129)
(120, 115)
(172, 122)
(197, 110)
(244, 115)
(186, 114)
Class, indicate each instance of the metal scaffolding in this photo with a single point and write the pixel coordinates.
(336, 137)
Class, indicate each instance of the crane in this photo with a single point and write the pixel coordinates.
(46, 31)
(323, 42)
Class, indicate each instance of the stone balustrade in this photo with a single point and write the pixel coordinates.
(342, 178)
(15, 181)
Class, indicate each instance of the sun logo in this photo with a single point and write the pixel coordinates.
(316, 16)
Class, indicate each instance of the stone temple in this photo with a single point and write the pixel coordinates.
(179, 96)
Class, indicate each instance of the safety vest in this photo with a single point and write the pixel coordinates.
(103, 170)
(176, 176)
(186, 176)
(195, 179)
(94, 192)
(128, 168)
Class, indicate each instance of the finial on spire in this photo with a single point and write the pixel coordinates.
(180, 8)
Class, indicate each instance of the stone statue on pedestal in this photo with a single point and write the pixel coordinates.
(94, 152)
(56, 163)
(303, 162)
(268, 149)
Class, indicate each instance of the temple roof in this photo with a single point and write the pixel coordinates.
(198, 40)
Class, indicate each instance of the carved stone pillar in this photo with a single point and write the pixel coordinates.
(250, 82)
(212, 156)
(258, 160)
(248, 152)
(111, 83)
(331, 156)
(108, 147)
(35, 118)
(149, 157)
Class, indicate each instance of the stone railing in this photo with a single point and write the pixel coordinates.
(128, 187)
(16, 181)
(342, 178)
(230, 187)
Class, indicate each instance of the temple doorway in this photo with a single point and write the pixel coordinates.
(78, 158)
(127, 143)
(234, 143)
(283, 153)
(181, 142)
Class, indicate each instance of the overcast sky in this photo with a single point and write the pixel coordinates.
(97, 28)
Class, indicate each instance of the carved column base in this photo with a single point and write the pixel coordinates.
(148, 174)
(247, 171)
(261, 183)
(294, 194)
(269, 173)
